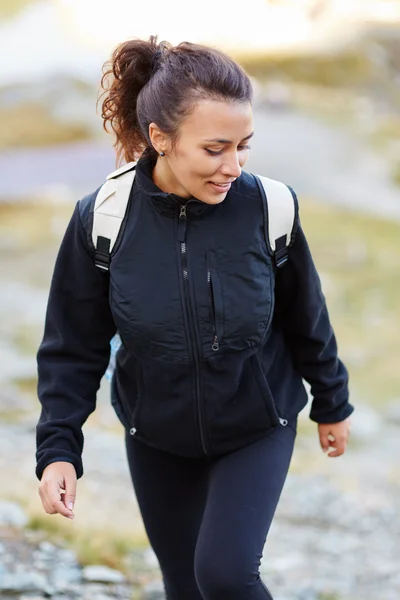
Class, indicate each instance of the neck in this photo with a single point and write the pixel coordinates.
(164, 178)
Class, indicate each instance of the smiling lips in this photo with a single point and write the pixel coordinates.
(223, 187)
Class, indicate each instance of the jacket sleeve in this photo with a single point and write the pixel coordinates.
(302, 313)
(74, 352)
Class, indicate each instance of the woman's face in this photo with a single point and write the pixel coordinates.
(209, 153)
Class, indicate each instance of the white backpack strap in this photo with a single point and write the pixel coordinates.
(280, 212)
(109, 212)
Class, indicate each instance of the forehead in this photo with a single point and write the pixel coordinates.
(212, 119)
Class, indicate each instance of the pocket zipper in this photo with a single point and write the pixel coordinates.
(215, 343)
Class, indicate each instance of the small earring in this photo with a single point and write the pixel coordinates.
(162, 153)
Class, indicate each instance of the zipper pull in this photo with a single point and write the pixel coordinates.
(182, 223)
(283, 422)
(215, 345)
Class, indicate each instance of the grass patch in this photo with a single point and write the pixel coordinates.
(349, 68)
(358, 259)
(34, 223)
(396, 173)
(27, 338)
(387, 129)
(14, 417)
(92, 546)
(33, 125)
(28, 385)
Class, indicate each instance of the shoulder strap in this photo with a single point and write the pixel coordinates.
(280, 215)
(109, 212)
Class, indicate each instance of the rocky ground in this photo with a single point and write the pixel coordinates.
(31, 568)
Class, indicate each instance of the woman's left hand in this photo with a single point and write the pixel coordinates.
(334, 435)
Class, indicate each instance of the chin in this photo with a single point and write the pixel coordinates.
(214, 199)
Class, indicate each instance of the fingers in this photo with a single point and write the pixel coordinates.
(334, 437)
(52, 502)
(57, 489)
(326, 444)
(70, 492)
(324, 441)
(339, 446)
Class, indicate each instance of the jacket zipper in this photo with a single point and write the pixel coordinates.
(215, 340)
(129, 416)
(282, 421)
(192, 331)
(125, 408)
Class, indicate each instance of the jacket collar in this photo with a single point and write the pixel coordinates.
(168, 204)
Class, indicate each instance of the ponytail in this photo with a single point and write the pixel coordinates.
(124, 76)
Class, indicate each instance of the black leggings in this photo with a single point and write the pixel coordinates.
(207, 520)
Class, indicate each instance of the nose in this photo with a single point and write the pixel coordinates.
(231, 166)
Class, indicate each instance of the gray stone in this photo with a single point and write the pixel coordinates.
(96, 591)
(67, 556)
(62, 576)
(102, 574)
(153, 591)
(392, 412)
(12, 400)
(12, 515)
(23, 582)
(75, 591)
(150, 558)
(39, 564)
(305, 594)
(47, 548)
(366, 424)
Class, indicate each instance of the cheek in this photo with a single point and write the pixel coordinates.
(204, 168)
(196, 168)
(243, 158)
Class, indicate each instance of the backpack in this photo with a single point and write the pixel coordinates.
(280, 218)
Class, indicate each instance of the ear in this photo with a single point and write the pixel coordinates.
(159, 140)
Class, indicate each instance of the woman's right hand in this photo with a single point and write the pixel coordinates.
(57, 489)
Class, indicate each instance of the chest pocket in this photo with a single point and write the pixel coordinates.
(240, 299)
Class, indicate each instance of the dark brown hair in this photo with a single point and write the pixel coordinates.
(146, 81)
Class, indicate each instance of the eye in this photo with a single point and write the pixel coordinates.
(213, 152)
(218, 152)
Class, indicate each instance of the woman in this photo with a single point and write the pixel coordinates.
(215, 340)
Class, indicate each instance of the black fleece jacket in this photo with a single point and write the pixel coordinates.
(174, 288)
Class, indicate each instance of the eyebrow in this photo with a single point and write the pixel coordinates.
(220, 141)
